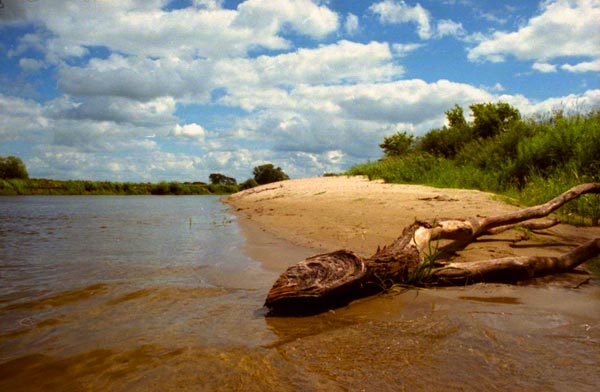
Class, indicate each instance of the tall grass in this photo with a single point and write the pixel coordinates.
(532, 160)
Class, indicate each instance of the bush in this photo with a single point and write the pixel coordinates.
(249, 183)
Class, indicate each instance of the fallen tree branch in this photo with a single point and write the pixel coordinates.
(333, 279)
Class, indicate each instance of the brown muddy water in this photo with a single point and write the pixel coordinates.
(155, 294)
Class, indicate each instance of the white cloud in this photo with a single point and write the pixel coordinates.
(302, 16)
(308, 109)
(154, 113)
(29, 64)
(27, 42)
(144, 29)
(189, 131)
(351, 25)
(586, 66)
(209, 4)
(19, 118)
(577, 103)
(335, 156)
(563, 28)
(344, 61)
(402, 50)
(446, 27)
(544, 67)
(392, 12)
(138, 78)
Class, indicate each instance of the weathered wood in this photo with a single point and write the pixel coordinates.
(333, 279)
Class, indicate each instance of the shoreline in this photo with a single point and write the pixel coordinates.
(325, 214)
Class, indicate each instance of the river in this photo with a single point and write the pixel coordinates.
(156, 294)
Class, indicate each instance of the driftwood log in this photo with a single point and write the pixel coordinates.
(333, 279)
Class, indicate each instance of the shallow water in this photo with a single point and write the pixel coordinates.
(155, 293)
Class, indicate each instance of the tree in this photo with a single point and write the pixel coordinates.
(221, 179)
(456, 118)
(490, 119)
(12, 167)
(267, 173)
(398, 144)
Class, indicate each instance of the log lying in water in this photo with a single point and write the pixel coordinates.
(333, 279)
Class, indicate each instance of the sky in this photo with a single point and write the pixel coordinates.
(173, 90)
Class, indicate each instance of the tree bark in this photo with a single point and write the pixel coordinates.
(333, 279)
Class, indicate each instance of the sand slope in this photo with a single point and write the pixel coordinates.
(330, 213)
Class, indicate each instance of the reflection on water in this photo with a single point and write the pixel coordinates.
(149, 293)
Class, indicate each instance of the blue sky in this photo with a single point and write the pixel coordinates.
(152, 90)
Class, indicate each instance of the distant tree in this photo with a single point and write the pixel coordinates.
(398, 144)
(267, 173)
(221, 179)
(12, 167)
(490, 119)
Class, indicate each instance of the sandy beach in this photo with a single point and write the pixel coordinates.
(330, 213)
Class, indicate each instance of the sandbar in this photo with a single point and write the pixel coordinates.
(329, 213)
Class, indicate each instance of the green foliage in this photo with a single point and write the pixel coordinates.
(74, 187)
(221, 179)
(397, 144)
(267, 173)
(490, 119)
(12, 167)
(532, 159)
(249, 183)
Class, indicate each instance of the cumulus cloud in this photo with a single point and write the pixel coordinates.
(30, 65)
(138, 78)
(393, 12)
(128, 70)
(155, 113)
(19, 118)
(544, 67)
(351, 24)
(446, 27)
(586, 66)
(189, 131)
(302, 16)
(398, 12)
(562, 28)
(206, 30)
(344, 61)
(402, 50)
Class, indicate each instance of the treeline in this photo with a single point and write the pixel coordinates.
(531, 159)
(18, 183)
(79, 187)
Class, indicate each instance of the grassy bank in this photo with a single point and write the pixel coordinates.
(74, 187)
(530, 160)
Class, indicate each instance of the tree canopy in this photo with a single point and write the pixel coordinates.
(267, 173)
(12, 167)
(398, 144)
(221, 179)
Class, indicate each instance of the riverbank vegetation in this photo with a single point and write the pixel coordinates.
(17, 182)
(528, 159)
